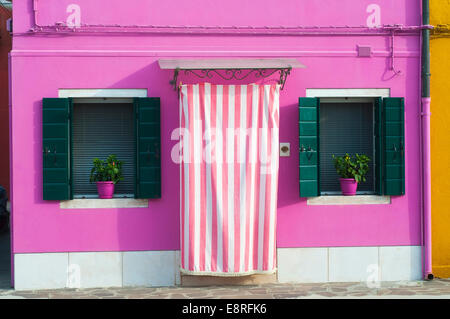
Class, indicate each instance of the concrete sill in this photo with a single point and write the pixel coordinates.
(350, 200)
(103, 203)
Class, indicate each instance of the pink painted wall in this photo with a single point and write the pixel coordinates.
(42, 64)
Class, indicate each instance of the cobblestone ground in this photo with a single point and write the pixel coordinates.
(418, 289)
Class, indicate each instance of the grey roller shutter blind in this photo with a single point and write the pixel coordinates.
(345, 128)
(101, 129)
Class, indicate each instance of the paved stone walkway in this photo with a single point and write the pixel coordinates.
(439, 288)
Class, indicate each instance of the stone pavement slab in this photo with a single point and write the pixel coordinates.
(436, 289)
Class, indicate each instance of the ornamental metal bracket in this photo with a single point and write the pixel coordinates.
(233, 74)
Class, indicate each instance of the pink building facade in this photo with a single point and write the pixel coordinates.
(355, 52)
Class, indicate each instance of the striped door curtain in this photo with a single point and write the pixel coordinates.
(229, 178)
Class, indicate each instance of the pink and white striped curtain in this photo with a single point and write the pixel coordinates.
(229, 178)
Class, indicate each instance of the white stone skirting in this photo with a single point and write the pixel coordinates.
(161, 268)
(96, 269)
(349, 264)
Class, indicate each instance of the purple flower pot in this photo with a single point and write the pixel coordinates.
(105, 189)
(348, 186)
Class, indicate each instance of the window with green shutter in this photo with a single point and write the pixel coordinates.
(76, 132)
(371, 126)
(99, 130)
(345, 127)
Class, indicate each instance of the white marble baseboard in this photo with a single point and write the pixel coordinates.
(161, 268)
(349, 264)
(96, 269)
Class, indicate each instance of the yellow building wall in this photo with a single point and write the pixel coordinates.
(440, 136)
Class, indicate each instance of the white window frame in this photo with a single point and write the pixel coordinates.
(332, 95)
(102, 93)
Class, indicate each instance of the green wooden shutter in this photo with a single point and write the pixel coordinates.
(393, 146)
(56, 148)
(309, 147)
(148, 148)
(378, 158)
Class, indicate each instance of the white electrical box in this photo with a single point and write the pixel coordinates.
(285, 149)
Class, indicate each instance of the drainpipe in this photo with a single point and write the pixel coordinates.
(35, 11)
(426, 149)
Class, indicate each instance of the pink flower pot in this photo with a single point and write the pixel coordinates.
(105, 189)
(348, 186)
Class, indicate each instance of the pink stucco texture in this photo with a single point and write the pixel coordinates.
(43, 64)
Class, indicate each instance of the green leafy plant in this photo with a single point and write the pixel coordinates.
(355, 166)
(107, 170)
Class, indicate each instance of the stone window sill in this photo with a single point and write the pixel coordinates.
(103, 203)
(350, 200)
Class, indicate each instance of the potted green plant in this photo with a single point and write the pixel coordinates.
(352, 170)
(106, 173)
